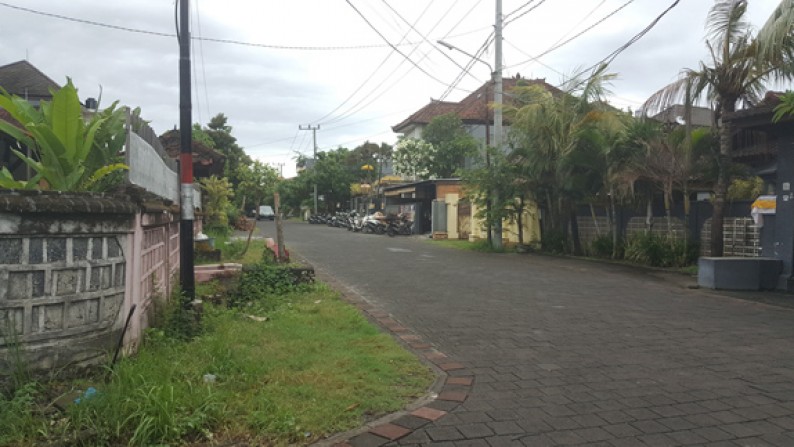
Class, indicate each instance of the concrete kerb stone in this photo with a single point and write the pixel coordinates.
(446, 391)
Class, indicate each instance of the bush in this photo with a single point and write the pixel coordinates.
(660, 251)
(265, 283)
(601, 247)
(553, 241)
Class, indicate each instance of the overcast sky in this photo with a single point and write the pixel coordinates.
(319, 62)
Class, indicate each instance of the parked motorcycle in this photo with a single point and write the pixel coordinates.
(399, 225)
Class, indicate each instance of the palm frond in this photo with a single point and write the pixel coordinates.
(775, 37)
(673, 93)
(725, 25)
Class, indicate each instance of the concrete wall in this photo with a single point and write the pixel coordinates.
(531, 224)
(71, 268)
(63, 274)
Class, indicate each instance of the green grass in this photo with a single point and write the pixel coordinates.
(313, 368)
(478, 245)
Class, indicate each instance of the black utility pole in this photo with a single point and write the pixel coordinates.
(186, 266)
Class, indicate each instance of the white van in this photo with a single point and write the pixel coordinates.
(266, 212)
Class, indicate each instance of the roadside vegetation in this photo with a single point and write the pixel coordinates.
(274, 361)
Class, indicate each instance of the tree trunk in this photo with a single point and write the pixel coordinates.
(251, 230)
(595, 220)
(577, 244)
(668, 193)
(721, 189)
(520, 220)
(613, 223)
(282, 252)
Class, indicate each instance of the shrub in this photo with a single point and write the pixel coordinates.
(553, 241)
(660, 251)
(602, 246)
(264, 283)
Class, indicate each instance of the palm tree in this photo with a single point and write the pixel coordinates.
(549, 136)
(740, 64)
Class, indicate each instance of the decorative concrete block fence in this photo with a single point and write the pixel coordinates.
(63, 275)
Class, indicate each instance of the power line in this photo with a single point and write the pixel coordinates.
(515, 11)
(372, 98)
(203, 65)
(507, 22)
(368, 79)
(575, 36)
(203, 39)
(611, 56)
(374, 28)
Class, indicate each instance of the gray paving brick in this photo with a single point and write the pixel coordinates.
(593, 434)
(472, 443)
(566, 351)
(713, 433)
(444, 434)
(649, 427)
(686, 437)
(566, 437)
(478, 430)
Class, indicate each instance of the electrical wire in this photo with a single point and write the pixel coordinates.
(424, 37)
(203, 65)
(575, 36)
(367, 79)
(194, 66)
(608, 59)
(204, 39)
(374, 28)
(507, 22)
(463, 17)
(611, 56)
(515, 11)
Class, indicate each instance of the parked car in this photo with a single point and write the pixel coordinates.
(265, 213)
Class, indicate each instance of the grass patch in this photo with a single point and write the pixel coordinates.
(313, 368)
(480, 245)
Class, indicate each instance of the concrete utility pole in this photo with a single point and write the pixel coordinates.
(314, 138)
(186, 261)
(497, 114)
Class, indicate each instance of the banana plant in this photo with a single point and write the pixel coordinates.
(66, 154)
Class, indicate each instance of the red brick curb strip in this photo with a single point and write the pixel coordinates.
(454, 391)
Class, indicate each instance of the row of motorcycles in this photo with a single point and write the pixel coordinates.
(375, 223)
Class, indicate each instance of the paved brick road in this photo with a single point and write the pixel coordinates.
(569, 352)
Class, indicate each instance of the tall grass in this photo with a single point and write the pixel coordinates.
(313, 368)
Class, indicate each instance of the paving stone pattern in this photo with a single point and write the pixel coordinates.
(544, 351)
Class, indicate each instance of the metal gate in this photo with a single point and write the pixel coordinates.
(464, 219)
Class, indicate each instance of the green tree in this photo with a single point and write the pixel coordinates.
(741, 63)
(451, 143)
(224, 142)
(333, 177)
(551, 137)
(68, 153)
(217, 191)
(259, 181)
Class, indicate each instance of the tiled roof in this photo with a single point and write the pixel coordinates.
(474, 108)
(26, 81)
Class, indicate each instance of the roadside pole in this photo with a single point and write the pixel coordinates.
(497, 117)
(186, 261)
(282, 254)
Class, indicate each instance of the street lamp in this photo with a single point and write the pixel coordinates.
(453, 47)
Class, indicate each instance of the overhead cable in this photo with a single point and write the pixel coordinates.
(204, 39)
